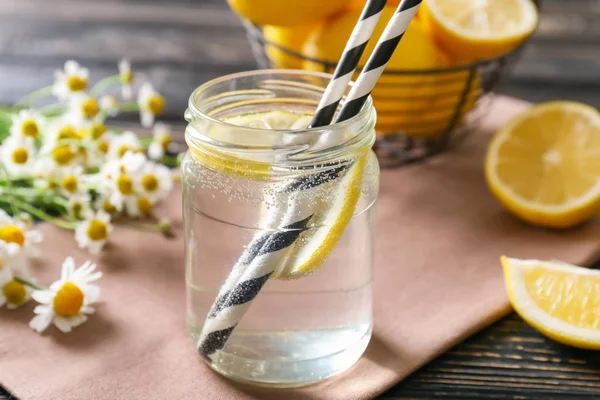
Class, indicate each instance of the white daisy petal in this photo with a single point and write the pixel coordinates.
(42, 296)
(63, 324)
(40, 322)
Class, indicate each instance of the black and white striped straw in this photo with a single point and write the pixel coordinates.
(384, 49)
(348, 62)
(267, 251)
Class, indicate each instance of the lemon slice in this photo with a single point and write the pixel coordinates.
(249, 165)
(543, 165)
(313, 246)
(479, 29)
(560, 300)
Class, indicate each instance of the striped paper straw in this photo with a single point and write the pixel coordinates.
(381, 55)
(257, 264)
(347, 65)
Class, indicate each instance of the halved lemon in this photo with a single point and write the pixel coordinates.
(468, 30)
(333, 213)
(560, 300)
(544, 164)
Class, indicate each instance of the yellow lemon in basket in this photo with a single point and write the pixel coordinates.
(415, 51)
(289, 38)
(543, 164)
(469, 30)
(286, 13)
(359, 4)
(403, 93)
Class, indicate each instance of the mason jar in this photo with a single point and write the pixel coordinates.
(279, 226)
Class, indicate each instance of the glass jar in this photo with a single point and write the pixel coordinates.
(279, 226)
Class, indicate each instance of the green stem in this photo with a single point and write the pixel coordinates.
(104, 84)
(169, 161)
(28, 283)
(43, 215)
(128, 107)
(33, 96)
(10, 186)
(52, 110)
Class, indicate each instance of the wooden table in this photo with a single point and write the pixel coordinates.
(181, 43)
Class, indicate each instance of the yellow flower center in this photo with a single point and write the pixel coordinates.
(63, 155)
(97, 230)
(69, 183)
(12, 234)
(98, 130)
(15, 293)
(145, 206)
(90, 108)
(20, 155)
(123, 149)
(29, 128)
(165, 141)
(68, 300)
(76, 83)
(150, 183)
(1, 264)
(68, 132)
(103, 147)
(108, 207)
(125, 184)
(127, 76)
(156, 104)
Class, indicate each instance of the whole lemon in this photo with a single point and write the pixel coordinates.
(286, 13)
(399, 98)
(359, 4)
(288, 37)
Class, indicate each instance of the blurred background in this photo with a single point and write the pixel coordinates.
(180, 44)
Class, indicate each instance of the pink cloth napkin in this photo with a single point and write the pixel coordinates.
(437, 281)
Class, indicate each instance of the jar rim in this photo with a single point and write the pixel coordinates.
(196, 111)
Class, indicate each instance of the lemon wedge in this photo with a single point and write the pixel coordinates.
(333, 215)
(560, 300)
(543, 165)
(478, 29)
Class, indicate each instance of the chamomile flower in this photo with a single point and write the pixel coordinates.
(73, 79)
(139, 206)
(71, 180)
(18, 154)
(109, 105)
(124, 142)
(151, 104)
(121, 175)
(92, 232)
(83, 107)
(68, 301)
(27, 123)
(13, 294)
(154, 181)
(103, 203)
(160, 142)
(62, 142)
(126, 78)
(79, 204)
(16, 240)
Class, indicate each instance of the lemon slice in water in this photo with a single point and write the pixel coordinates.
(334, 204)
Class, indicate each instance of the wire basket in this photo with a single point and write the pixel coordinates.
(419, 112)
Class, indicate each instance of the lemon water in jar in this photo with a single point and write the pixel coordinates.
(279, 225)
